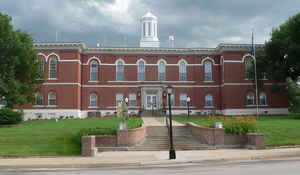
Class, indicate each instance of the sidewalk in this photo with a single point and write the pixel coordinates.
(148, 158)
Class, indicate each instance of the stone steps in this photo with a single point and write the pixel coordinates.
(157, 139)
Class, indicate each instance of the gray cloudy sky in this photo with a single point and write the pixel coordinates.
(195, 23)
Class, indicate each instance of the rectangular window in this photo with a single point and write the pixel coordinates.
(119, 99)
(119, 76)
(52, 101)
(182, 76)
(162, 76)
(183, 98)
(132, 100)
(141, 76)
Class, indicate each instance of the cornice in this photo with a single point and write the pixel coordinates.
(59, 46)
(143, 50)
(237, 47)
(147, 50)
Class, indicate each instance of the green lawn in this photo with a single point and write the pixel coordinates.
(278, 130)
(47, 137)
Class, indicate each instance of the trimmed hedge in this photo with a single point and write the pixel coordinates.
(10, 117)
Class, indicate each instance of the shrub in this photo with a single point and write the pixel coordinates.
(240, 125)
(94, 131)
(10, 117)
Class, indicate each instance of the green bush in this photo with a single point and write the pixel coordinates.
(240, 125)
(10, 117)
(94, 131)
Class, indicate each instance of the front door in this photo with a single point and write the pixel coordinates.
(151, 102)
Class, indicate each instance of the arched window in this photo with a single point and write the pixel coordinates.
(132, 99)
(141, 71)
(94, 71)
(248, 67)
(93, 100)
(42, 63)
(250, 98)
(182, 71)
(262, 99)
(161, 71)
(120, 71)
(207, 71)
(52, 98)
(39, 98)
(53, 68)
(208, 100)
(182, 99)
(119, 99)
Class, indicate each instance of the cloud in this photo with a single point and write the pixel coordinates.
(116, 22)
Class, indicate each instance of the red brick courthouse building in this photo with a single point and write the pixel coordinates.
(82, 79)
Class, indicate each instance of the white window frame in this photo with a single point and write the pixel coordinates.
(119, 98)
(208, 66)
(265, 98)
(209, 100)
(51, 71)
(94, 71)
(182, 71)
(250, 96)
(50, 97)
(132, 99)
(39, 97)
(183, 99)
(141, 70)
(161, 71)
(120, 69)
(93, 100)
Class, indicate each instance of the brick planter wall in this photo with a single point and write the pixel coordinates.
(106, 140)
(256, 141)
(88, 144)
(209, 136)
(218, 137)
(123, 138)
(131, 137)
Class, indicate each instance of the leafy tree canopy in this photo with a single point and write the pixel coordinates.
(281, 57)
(20, 74)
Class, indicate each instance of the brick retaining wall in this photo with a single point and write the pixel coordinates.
(123, 138)
(218, 137)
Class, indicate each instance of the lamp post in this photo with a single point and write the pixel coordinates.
(172, 154)
(188, 100)
(126, 102)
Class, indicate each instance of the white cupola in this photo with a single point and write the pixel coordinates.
(149, 36)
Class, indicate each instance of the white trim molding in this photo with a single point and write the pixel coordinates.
(252, 111)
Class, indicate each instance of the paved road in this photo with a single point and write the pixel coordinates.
(274, 167)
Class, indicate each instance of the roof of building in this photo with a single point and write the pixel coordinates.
(149, 15)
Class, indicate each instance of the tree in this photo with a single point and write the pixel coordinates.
(20, 74)
(281, 57)
(293, 96)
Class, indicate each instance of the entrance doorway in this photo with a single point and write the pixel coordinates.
(151, 102)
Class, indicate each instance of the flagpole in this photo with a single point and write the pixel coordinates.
(256, 89)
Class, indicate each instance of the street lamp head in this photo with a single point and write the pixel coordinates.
(188, 99)
(126, 100)
(169, 89)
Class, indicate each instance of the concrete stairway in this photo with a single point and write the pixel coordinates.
(157, 139)
(184, 140)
